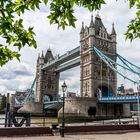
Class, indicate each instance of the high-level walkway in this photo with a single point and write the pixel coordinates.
(70, 55)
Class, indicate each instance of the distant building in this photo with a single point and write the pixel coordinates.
(20, 95)
(71, 94)
(1, 96)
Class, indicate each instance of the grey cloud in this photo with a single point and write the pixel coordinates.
(62, 41)
(8, 75)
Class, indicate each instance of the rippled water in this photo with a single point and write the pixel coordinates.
(2, 120)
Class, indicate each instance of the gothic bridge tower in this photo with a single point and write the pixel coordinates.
(47, 81)
(94, 73)
(95, 76)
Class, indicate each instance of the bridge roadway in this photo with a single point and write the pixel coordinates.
(119, 99)
(70, 55)
(105, 100)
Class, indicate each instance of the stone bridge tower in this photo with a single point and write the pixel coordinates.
(95, 74)
(47, 81)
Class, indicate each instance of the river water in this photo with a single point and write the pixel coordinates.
(2, 120)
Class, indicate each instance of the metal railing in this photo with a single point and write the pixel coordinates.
(119, 99)
(34, 121)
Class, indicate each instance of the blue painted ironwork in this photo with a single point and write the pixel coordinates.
(119, 99)
(67, 61)
(53, 104)
(29, 96)
(63, 58)
(127, 63)
(112, 64)
(70, 64)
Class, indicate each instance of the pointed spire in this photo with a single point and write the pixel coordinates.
(42, 54)
(49, 49)
(98, 16)
(82, 29)
(113, 30)
(91, 22)
(38, 55)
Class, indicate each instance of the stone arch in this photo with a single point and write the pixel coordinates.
(47, 98)
(104, 90)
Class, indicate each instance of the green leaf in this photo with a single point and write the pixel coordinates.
(46, 1)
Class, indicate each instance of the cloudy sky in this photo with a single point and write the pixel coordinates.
(19, 75)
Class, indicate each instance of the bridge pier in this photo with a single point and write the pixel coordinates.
(126, 110)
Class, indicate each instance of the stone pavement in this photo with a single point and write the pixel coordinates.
(119, 136)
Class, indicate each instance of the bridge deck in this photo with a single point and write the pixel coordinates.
(53, 104)
(119, 99)
(105, 100)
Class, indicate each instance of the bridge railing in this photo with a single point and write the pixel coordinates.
(35, 121)
(127, 98)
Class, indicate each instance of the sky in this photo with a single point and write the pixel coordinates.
(18, 76)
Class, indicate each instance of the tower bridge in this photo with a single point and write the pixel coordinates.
(97, 57)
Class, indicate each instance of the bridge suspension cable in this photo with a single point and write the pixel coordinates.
(29, 95)
(113, 65)
(129, 64)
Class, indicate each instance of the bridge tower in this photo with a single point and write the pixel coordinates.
(95, 76)
(47, 81)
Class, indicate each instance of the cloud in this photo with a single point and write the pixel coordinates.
(19, 76)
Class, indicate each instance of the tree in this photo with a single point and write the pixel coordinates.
(61, 13)
(3, 103)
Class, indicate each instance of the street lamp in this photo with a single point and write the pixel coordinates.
(138, 104)
(64, 88)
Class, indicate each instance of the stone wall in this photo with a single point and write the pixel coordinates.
(32, 108)
(78, 106)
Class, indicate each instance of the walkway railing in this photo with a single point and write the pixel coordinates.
(35, 122)
(120, 99)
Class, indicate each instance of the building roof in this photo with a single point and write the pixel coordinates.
(113, 30)
(48, 56)
(91, 22)
(98, 24)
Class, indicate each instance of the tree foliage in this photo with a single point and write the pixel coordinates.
(61, 13)
(133, 30)
(3, 102)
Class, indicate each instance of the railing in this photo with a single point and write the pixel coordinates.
(104, 122)
(48, 122)
(35, 121)
(119, 99)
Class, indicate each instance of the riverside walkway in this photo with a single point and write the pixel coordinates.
(116, 136)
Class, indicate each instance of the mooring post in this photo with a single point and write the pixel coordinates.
(28, 119)
(10, 119)
(7, 110)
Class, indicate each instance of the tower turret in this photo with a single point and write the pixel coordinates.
(113, 33)
(82, 31)
(41, 59)
(48, 56)
(92, 23)
(91, 32)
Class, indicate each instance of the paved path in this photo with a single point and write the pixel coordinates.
(124, 136)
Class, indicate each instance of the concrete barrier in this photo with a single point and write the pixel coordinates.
(73, 129)
(30, 131)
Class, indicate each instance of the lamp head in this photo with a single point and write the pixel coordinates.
(64, 87)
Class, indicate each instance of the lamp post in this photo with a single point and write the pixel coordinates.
(64, 88)
(138, 104)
